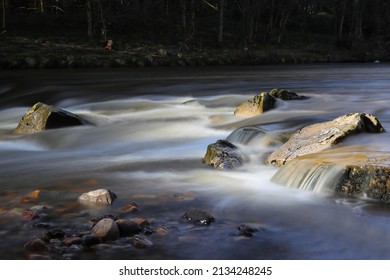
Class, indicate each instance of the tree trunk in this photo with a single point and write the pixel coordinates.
(90, 19)
(41, 6)
(184, 14)
(341, 20)
(220, 22)
(4, 14)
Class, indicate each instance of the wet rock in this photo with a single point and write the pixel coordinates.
(100, 196)
(257, 105)
(53, 234)
(39, 257)
(223, 155)
(246, 230)
(36, 245)
(139, 241)
(128, 227)
(319, 137)
(42, 116)
(142, 223)
(106, 229)
(285, 94)
(29, 215)
(161, 231)
(44, 225)
(369, 179)
(351, 170)
(72, 240)
(129, 208)
(90, 240)
(198, 217)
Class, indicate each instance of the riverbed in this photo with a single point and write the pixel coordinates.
(151, 130)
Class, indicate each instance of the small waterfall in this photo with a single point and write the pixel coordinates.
(309, 175)
(244, 135)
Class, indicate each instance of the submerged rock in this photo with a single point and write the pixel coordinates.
(223, 155)
(198, 217)
(100, 196)
(255, 106)
(128, 227)
(318, 137)
(42, 116)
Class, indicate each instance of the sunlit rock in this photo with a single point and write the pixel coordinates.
(265, 101)
(42, 116)
(353, 170)
(319, 137)
(255, 106)
(100, 196)
(223, 155)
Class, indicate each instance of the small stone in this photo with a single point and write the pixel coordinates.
(34, 195)
(89, 240)
(129, 208)
(53, 234)
(246, 230)
(142, 223)
(72, 240)
(100, 196)
(128, 228)
(38, 257)
(106, 229)
(161, 231)
(36, 245)
(29, 215)
(139, 241)
(44, 225)
(198, 217)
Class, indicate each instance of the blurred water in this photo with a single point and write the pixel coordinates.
(152, 130)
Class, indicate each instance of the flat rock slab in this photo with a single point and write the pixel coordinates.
(319, 137)
(42, 116)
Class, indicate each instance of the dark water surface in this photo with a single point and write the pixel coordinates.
(152, 130)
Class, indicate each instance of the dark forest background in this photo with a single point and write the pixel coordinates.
(211, 23)
(332, 30)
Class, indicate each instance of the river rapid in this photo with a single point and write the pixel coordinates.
(152, 128)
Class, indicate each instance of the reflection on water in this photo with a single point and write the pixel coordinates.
(152, 130)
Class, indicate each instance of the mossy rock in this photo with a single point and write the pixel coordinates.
(223, 155)
(255, 106)
(42, 116)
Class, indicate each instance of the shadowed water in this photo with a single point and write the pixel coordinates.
(152, 130)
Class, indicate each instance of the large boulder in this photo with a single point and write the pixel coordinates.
(319, 137)
(223, 155)
(42, 116)
(286, 94)
(265, 101)
(371, 179)
(255, 106)
(351, 170)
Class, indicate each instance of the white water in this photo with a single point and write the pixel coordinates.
(151, 132)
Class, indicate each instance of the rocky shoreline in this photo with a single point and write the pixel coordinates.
(52, 53)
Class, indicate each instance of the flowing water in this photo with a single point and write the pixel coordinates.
(152, 128)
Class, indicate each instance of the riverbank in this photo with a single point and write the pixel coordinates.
(17, 52)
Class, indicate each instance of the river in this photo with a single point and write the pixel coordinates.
(152, 128)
